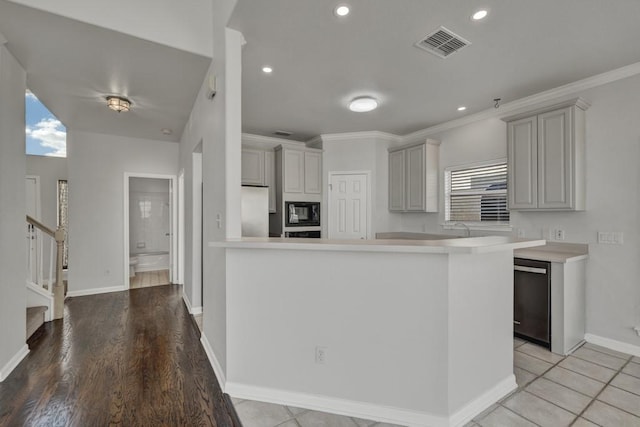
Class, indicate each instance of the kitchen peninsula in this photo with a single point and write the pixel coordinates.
(411, 332)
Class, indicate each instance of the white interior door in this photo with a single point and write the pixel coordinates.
(349, 206)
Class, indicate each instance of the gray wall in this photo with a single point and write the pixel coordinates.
(50, 170)
(97, 164)
(613, 202)
(12, 212)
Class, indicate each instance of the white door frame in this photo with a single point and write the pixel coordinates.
(181, 236)
(173, 244)
(338, 173)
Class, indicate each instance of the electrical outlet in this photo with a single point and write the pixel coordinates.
(520, 233)
(611, 237)
(558, 234)
(321, 355)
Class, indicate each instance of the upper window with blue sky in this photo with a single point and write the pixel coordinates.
(46, 135)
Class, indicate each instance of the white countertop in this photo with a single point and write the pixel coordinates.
(555, 252)
(446, 246)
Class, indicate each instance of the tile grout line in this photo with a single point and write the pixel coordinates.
(604, 388)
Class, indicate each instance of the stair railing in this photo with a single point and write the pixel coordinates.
(37, 233)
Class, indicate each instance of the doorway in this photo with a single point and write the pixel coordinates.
(150, 218)
(349, 205)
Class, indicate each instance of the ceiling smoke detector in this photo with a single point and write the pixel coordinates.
(442, 42)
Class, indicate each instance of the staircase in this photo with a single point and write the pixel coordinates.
(45, 287)
(35, 318)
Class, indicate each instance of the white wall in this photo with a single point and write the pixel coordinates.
(183, 25)
(12, 213)
(361, 152)
(97, 164)
(50, 170)
(613, 202)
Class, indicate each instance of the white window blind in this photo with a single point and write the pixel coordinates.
(477, 193)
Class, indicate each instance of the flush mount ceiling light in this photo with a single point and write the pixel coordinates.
(118, 104)
(167, 131)
(267, 69)
(362, 104)
(481, 14)
(342, 10)
(462, 108)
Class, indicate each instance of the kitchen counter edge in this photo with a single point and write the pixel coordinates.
(446, 246)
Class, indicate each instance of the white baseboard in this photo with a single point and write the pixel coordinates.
(11, 364)
(217, 368)
(369, 410)
(613, 344)
(476, 406)
(187, 303)
(96, 291)
(190, 308)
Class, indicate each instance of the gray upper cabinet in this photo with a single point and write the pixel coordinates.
(397, 180)
(252, 167)
(546, 155)
(259, 168)
(312, 172)
(413, 177)
(300, 171)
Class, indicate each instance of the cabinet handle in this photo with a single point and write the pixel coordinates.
(515, 322)
(530, 269)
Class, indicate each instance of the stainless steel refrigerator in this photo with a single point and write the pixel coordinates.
(255, 211)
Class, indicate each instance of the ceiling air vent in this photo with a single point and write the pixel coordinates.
(283, 133)
(442, 42)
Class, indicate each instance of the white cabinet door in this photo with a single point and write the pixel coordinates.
(312, 173)
(270, 178)
(416, 164)
(554, 160)
(397, 178)
(252, 167)
(523, 163)
(293, 171)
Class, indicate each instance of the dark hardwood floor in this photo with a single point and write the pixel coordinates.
(124, 359)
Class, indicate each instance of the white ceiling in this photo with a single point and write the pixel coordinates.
(72, 66)
(320, 62)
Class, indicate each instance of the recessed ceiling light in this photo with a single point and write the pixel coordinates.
(462, 108)
(481, 14)
(267, 69)
(342, 10)
(362, 104)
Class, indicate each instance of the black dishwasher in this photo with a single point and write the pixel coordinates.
(532, 301)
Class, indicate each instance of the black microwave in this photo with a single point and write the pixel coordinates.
(302, 214)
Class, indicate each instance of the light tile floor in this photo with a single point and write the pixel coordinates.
(592, 387)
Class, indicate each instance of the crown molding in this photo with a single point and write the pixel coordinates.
(355, 136)
(539, 100)
(260, 141)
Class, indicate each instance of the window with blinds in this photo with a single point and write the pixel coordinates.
(477, 193)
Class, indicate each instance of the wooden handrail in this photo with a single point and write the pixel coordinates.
(58, 289)
(41, 226)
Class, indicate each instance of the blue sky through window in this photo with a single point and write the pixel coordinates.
(46, 135)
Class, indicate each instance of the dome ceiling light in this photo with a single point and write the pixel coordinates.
(363, 104)
(119, 104)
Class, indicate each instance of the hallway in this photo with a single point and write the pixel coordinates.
(129, 358)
